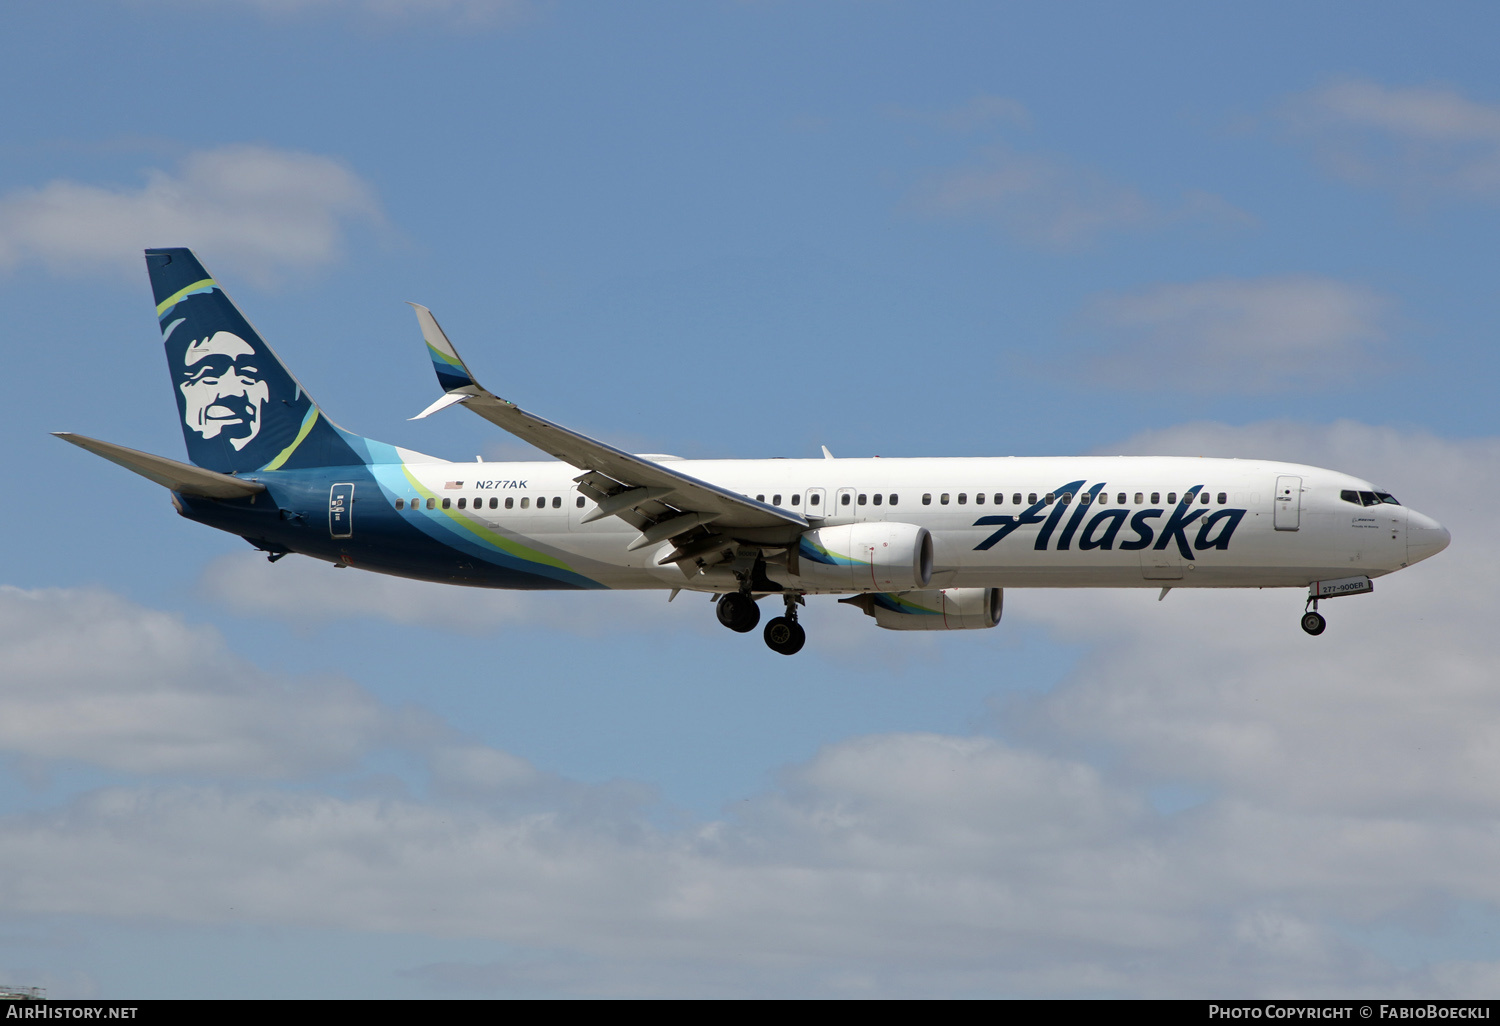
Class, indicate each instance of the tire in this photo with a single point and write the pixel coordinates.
(738, 612)
(1313, 623)
(784, 635)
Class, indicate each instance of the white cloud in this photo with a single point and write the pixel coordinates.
(1422, 141)
(1242, 335)
(1040, 199)
(263, 211)
(92, 678)
(1056, 204)
(305, 591)
(1350, 783)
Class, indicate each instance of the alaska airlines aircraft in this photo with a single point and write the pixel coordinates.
(917, 544)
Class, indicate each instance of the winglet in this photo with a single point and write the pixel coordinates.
(451, 372)
(826, 454)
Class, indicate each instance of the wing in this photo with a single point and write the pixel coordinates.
(660, 502)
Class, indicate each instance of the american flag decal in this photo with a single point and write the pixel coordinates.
(454, 484)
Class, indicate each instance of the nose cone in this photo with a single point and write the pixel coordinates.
(1424, 537)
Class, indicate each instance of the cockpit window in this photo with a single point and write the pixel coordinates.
(1367, 498)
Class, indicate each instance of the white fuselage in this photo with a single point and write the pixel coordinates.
(1123, 523)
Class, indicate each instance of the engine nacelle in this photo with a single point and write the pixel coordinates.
(951, 609)
(877, 555)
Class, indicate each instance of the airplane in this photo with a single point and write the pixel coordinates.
(916, 544)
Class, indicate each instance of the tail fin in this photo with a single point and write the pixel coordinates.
(241, 408)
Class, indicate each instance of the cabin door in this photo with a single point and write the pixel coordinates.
(1288, 515)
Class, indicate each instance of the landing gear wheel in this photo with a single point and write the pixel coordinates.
(785, 635)
(738, 612)
(1313, 623)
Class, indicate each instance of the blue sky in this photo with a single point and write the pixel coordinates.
(744, 230)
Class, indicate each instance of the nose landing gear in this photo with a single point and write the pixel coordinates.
(1312, 621)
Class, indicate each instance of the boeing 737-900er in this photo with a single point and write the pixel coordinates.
(917, 544)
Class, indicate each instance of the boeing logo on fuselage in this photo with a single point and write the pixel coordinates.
(1213, 529)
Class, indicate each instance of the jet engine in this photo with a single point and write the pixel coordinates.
(951, 609)
(876, 555)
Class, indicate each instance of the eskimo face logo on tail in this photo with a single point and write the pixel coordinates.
(222, 388)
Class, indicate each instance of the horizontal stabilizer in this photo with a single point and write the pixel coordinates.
(179, 477)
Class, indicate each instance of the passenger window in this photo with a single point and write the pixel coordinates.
(1203, 498)
(796, 499)
(963, 498)
(1223, 498)
(877, 498)
(760, 498)
(461, 503)
(1120, 499)
(1084, 498)
(1140, 499)
(1051, 498)
(1171, 497)
(579, 503)
(776, 499)
(844, 499)
(1016, 499)
(812, 500)
(1000, 499)
(1066, 498)
(894, 498)
(863, 498)
(431, 503)
(510, 502)
(943, 499)
(927, 498)
(557, 502)
(525, 502)
(1031, 499)
(979, 498)
(447, 503)
(400, 503)
(1155, 498)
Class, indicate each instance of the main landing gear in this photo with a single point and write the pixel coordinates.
(738, 611)
(783, 633)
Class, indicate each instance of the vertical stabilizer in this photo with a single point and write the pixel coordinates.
(241, 408)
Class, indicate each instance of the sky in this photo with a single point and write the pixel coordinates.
(748, 228)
